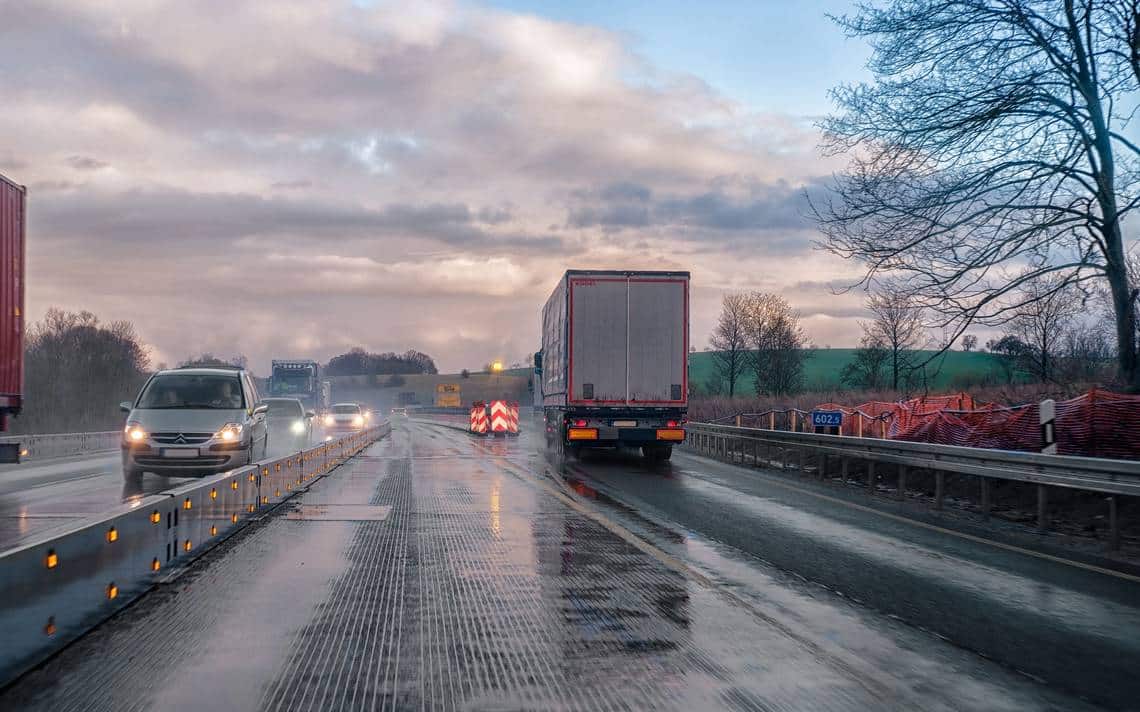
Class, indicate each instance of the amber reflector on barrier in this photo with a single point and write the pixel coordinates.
(187, 546)
(51, 560)
(233, 518)
(251, 507)
(277, 493)
(265, 500)
(213, 493)
(251, 474)
(187, 504)
(155, 517)
(112, 591)
(112, 535)
(213, 531)
(155, 565)
(233, 485)
(49, 628)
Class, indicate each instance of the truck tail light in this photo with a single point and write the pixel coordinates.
(671, 424)
(580, 423)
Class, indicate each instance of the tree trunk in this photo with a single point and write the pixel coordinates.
(1125, 311)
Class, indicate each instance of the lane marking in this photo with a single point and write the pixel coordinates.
(770, 479)
(867, 678)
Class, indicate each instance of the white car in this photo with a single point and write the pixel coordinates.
(345, 416)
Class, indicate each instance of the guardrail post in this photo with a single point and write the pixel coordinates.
(901, 494)
(939, 488)
(844, 463)
(822, 466)
(986, 497)
(870, 477)
(1042, 508)
(801, 461)
(1113, 525)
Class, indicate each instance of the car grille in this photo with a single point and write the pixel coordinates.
(168, 462)
(181, 438)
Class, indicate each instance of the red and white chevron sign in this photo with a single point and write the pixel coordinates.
(513, 411)
(478, 419)
(500, 417)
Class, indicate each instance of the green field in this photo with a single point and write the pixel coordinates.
(821, 372)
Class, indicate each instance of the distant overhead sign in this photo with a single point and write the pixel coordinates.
(447, 388)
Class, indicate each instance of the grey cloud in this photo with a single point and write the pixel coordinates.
(777, 206)
(292, 184)
(611, 216)
(86, 163)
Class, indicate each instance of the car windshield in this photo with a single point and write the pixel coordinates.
(284, 408)
(292, 381)
(184, 390)
(342, 409)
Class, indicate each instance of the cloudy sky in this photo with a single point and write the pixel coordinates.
(294, 178)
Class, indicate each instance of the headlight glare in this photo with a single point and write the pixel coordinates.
(134, 432)
(229, 432)
(298, 427)
(358, 420)
(329, 420)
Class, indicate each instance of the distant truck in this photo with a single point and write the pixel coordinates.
(13, 205)
(300, 379)
(613, 370)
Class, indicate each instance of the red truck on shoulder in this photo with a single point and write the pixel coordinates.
(614, 362)
(13, 203)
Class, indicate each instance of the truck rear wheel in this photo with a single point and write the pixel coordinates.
(657, 453)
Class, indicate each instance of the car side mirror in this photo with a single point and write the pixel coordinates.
(261, 409)
(125, 406)
(310, 414)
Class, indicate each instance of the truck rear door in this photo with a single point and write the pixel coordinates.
(658, 339)
(628, 336)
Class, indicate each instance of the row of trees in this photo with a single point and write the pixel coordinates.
(358, 362)
(759, 334)
(76, 371)
(993, 156)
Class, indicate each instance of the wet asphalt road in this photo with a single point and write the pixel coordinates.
(41, 495)
(1076, 629)
(440, 571)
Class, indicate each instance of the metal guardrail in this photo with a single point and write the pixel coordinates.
(64, 444)
(56, 587)
(766, 447)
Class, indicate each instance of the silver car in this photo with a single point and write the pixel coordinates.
(290, 423)
(193, 422)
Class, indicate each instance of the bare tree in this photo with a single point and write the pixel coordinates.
(730, 340)
(777, 343)
(867, 369)
(969, 341)
(899, 328)
(77, 370)
(993, 137)
(1047, 308)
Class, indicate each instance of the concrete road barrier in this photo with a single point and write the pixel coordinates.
(56, 587)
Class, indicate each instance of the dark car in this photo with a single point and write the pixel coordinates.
(290, 423)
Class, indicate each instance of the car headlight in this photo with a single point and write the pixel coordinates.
(134, 433)
(229, 432)
(329, 420)
(298, 427)
(358, 420)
